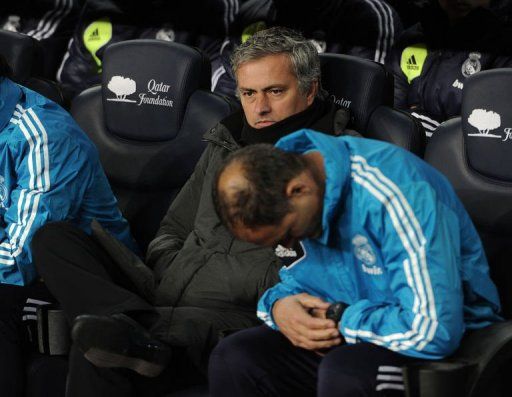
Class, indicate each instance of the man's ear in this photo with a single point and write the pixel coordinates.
(297, 187)
(313, 90)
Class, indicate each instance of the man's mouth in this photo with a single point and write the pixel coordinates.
(264, 123)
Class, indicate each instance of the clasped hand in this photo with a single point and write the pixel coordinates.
(301, 318)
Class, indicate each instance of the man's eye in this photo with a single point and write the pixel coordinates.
(276, 91)
(247, 94)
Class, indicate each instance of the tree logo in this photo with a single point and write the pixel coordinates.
(484, 121)
(122, 87)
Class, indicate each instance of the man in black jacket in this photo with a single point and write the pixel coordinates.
(207, 281)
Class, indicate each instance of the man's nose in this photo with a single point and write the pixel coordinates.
(262, 104)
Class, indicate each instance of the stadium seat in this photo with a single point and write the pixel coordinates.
(147, 120)
(25, 56)
(475, 152)
(365, 88)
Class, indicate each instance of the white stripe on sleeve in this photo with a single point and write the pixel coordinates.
(411, 235)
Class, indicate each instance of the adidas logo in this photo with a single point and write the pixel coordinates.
(94, 35)
(411, 63)
(283, 252)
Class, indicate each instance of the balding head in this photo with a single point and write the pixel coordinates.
(232, 191)
(250, 188)
(267, 196)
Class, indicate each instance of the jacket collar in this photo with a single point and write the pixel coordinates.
(227, 132)
(10, 94)
(337, 167)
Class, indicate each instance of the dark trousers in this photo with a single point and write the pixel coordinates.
(85, 280)
(262, 362)
(18, 333)
(81, 275)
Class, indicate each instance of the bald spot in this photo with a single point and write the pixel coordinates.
(231, 181)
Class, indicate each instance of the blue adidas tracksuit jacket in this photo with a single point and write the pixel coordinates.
(49, 171)
(396, 245)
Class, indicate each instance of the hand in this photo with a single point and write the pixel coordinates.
(318, 313)
(303, 329)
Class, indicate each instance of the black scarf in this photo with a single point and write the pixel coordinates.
(312, 117)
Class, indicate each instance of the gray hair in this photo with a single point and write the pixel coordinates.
(279, 40)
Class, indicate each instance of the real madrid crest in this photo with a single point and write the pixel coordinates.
(166, 34)
(320, 45)
(363, 250)
(3, 192)
(472, 65)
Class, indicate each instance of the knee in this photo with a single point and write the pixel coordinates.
(336, 376)
(239, 354)
(231, 352)
(47, 235)
(47, 238)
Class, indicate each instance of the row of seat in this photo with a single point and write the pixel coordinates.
(147, 120)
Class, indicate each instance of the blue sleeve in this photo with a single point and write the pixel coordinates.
(51, 173)
(98, 202)
(286, 287)
(420, 244)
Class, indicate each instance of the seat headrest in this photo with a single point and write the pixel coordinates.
(487, 122)
(22, 53)
(357, 84)
(146, 86)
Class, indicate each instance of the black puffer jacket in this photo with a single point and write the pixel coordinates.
(433, 59)
(196, 261)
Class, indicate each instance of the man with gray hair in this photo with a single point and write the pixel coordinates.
(208, 281)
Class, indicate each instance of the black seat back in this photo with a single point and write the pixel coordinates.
(25, 56)
(147, 120)
(365, 88)
(475, 152)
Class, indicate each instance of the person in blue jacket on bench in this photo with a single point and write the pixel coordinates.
(385, 239)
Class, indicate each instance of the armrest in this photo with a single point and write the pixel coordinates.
(438, 378)
(490, 348)
(474, 369)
